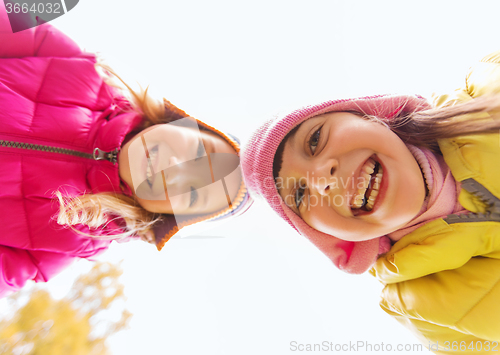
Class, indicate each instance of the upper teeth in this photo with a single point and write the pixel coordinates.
(359, 196)
(153, 153)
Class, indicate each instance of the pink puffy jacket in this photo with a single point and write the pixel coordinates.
(51, 95)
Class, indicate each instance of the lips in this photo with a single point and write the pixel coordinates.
(369, 186)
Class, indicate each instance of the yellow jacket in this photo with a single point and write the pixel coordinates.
(443, 280)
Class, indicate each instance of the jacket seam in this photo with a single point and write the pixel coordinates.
(99, 93)
(59, 144)
(38, 94)
(471, 173)
(24, 204)
(478, 302)
(467, 84)
(443, 228)
(37, 33)
(36, 264)
(98, 96)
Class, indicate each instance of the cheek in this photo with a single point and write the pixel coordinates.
(383, 139)
(411, 193)
(325, 219)
(124, 168)
(322, 217)
(233, 182)
(155, 206)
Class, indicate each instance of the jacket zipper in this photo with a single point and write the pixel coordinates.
(98, 154)
(493, 203)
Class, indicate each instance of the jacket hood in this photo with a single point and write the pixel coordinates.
(257, 164)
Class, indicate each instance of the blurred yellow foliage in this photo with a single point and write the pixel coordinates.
(70, 326)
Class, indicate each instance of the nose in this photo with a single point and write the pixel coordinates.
(323, 176)
(181, 176)
(173, 161)
(172, 175)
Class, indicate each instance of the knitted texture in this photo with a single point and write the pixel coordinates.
(257, 163)
(442, 199)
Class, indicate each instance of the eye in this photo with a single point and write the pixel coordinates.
(194, 197)
(200, 151)
(314, 140)
(153, 155)
(150, 184)
(299, 195)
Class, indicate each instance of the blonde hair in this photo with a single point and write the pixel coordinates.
(96, 210)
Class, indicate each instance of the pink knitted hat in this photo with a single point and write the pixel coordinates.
(257, 164)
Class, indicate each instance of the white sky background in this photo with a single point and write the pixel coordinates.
(234, 64)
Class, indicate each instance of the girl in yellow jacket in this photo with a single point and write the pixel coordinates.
(408, 190)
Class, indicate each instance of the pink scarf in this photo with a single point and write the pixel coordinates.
(442, 198)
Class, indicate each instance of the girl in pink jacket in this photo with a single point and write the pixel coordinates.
(82, 165)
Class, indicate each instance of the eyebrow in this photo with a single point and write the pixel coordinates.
(143, 140)
(209, 163)
(205, 201)
(278, 156)
(292, 192)
(203, 205)
(212, 148)
(290, 138)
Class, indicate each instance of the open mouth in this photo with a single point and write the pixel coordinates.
(368, 187)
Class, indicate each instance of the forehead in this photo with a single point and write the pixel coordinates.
(194, 130)
(205, 133)
(290, 170)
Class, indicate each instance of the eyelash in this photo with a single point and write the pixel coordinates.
(194, 197)
(296, 193)
(313, 139)
(147, 180)
(317, 136)
(200, 151)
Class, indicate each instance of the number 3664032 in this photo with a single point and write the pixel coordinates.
(39, 8)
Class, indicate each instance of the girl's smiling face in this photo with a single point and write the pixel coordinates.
(179, 169)
(350, 177)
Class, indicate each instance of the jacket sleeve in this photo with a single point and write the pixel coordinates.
(449, 294)
(457, 305)
(40, 41)
(442, 340)
(17, 266)
(482, 79)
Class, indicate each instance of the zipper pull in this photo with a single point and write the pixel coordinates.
(109, 156)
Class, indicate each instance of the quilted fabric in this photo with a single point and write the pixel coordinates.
(51, 94)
